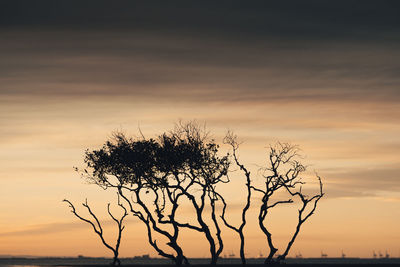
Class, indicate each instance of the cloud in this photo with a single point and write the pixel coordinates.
(256, 52)
(232, 19)
(147, 67)
(56, 227)
(366, 182)
(48, 228)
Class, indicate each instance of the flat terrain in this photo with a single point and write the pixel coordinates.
(139, 261)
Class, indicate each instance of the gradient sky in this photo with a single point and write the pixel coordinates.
(321, 74)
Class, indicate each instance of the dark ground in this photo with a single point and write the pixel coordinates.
(149, 262)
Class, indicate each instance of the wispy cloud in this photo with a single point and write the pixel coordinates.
(54, 228)
(145, 66)
(48, 228)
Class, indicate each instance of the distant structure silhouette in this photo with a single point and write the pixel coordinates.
(324, 255)
(298, 255)
(387, 256)
(343, 255)
(374, 254)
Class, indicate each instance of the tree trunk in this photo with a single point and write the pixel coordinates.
(116, 261)
(214, 259)
(242, 256)
(269, 259)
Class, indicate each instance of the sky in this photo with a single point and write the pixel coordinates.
(321, 74)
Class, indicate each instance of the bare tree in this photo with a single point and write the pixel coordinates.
(98, 229)
(198, 179)
(303, 214)
(231, 139)
(283, 173)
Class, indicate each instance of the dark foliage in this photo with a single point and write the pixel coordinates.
(180, 165)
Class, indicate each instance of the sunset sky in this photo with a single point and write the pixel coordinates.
(321, 74)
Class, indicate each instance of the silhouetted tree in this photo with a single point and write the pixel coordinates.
(198, 180)
(98, 229)
(231, 139)
(153, 176)
(283, 173)
(132, 166)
